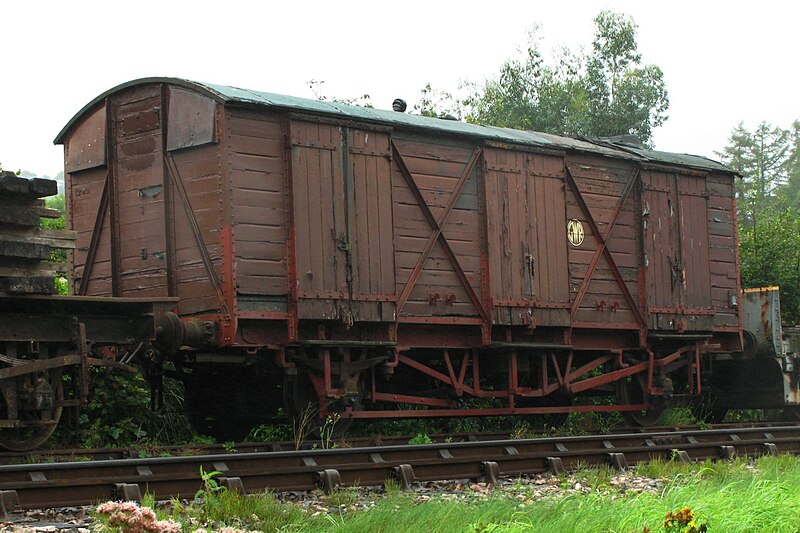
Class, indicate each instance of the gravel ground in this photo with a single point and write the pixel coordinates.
(526, 489)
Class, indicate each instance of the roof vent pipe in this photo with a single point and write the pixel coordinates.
(399, 105)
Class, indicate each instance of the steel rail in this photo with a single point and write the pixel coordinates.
(98, 454)
(80, 483)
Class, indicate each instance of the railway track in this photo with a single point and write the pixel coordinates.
(81, 483)
(100, 454)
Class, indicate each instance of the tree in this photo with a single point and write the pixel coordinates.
(606, 92)
(761, 157)
(792, 167)
(768, 206)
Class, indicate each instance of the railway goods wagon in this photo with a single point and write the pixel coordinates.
(379, 264)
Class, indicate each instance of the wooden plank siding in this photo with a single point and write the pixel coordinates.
(723, 251)
(435, 168)
(601, 183)
(256, 166)
(138, 179)
(679, 232)
(526, 228)
(358, 198)
(85, 190)
(204, 183)
(343, 223)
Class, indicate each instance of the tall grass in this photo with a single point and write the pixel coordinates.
(740, 496)
(725, 497)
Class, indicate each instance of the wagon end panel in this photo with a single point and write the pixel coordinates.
(437, 231)
(257, 170)
(88, 212)
(138, 243)
(341, 207)
(525, 220)
(723, 252)
(604, 244)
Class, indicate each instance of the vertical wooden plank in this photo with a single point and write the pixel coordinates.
(385, 218)
(340, 198)
(361, 209)
(373, 228)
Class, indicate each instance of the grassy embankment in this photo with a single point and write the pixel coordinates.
(758, 496)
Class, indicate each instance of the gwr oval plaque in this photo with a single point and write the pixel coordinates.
(575, 232)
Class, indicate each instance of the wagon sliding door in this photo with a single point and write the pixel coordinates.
(341, 196)
(677, 251)
(526, 221)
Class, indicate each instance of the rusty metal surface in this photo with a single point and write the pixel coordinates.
(60, 484)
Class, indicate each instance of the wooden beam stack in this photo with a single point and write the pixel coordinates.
(25, 248)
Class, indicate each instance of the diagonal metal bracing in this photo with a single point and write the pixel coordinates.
(88, 263)
(198, 236)
(436, 227)
(602, 247)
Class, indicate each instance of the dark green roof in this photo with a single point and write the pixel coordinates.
(235, 96)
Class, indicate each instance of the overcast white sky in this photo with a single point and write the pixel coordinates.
(724, 62)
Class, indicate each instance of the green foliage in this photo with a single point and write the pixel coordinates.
(601, 93)
(316, 87)
(421, 438)
(768, 203)
(210, 485)
(438, 103)
(223, 508)
(202, 440)
(118, 412)
(328, 430)
(270, 433)
(732, 496)
(57, 255)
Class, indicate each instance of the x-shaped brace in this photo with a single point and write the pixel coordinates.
(436, 226)
(602, 248)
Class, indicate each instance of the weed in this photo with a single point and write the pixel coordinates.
(421, 438)
(202, 440)
(327, 431)
(391, 487)
(682, 521)
(269, 433)
(677, 416)
(595, 476)
(210, 485)
(343, 497)
(229, 447)
(303, 425)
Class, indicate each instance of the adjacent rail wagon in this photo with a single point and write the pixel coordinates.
(379, 264)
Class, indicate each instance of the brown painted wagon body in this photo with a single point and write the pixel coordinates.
(362, 259)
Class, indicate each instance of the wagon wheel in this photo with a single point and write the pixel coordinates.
(630, 391)
(302, 405)
(39, 424)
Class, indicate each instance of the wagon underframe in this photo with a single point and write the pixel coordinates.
(561, 374)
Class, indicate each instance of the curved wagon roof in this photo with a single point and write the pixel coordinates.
(234, 96)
